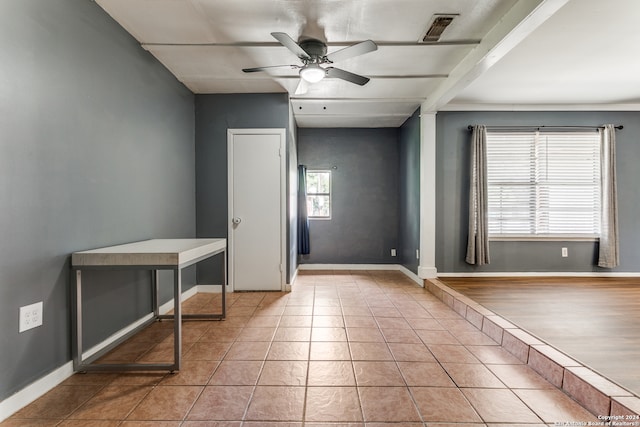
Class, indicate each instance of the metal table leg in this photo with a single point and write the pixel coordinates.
(177, 319)
(155, 278)
(76, 320)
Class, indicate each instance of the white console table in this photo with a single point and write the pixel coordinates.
(152, 255)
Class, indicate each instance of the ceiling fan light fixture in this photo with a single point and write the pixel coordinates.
(312, 73)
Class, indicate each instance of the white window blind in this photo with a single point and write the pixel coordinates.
(543, 184)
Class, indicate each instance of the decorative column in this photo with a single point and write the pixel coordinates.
(427, 268)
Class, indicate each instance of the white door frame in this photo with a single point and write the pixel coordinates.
(283, 201)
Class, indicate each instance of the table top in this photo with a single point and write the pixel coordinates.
(154, 252)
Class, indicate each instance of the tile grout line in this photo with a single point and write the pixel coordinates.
(353, 368)
(306, 382)
(264, 361)
(389, 293)
(450, 296)
(482, 363)
(206, 382)
(413, 399)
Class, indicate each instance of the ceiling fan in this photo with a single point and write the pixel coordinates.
(314, 57)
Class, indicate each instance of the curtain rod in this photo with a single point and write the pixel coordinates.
(470, 127)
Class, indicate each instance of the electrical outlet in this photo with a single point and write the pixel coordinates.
(393, 252)
(30, 316)
(565, 252)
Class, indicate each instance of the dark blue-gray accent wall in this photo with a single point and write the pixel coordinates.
(214, 115)
(409, 192)
(452, 179)
(97, 148)
(364, 221)
(375, 194)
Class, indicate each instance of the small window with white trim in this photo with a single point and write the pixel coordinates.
(319, 194)
(543, 184)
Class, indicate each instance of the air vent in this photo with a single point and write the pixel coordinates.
(439, 23)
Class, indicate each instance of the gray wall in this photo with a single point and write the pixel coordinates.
(292, 200)
(364, 223)
(97, 148)
(409, 192)
(452, 178)
(214, 115)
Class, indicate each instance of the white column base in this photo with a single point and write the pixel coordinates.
(427, 272)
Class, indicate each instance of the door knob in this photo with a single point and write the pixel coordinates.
(236, 220)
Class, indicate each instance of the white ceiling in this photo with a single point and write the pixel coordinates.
(496, 54)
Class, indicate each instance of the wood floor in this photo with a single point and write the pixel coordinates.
(594, 320)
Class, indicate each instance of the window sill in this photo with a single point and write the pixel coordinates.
(525, 238)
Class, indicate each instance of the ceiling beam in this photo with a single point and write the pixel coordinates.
(148, 46)
(516, 25)
(374, 76)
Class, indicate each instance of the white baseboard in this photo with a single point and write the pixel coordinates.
(168, 306)
(541, 274)
(293, 279)
(206, 289)
(39, 387)
(411, 275)
(22, 398)
(428, 272)
(359, 267)
(163, 309)
(378, 267)
(115, 337)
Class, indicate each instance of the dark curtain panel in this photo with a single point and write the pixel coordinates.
(304, 247)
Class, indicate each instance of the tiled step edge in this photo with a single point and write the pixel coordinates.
(594, 392)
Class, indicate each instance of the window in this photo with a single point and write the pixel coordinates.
(319, 194)
(543, 184)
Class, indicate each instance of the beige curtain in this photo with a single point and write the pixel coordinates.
(608, 256)
(478, 239)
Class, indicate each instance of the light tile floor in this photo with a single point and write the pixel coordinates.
(343, 349)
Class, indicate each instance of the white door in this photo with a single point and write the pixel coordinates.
(256, 209)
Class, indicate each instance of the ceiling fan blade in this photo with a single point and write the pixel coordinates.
(346, 75)
(291, 44)
(302, 88)
(256, 69)
(353, 50)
